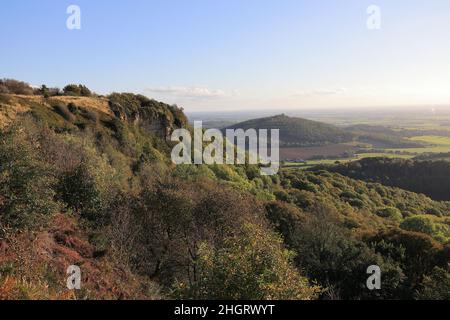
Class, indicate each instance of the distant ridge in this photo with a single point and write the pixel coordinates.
(298, 132)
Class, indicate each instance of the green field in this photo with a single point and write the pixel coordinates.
(436, 144)
(383, 155)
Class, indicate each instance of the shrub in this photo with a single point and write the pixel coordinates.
(285, 218)
(86, 191)
(303, 199)
(89, 188)
(192, 173)
(15, 87)
(282, 196)
(3, 88)
(421, 224)
(351, 223)
(64, 112)
(305, 185)
(79, 191)
(435, 286)
(85, 92)
(356, 203)
(47, 92)
(390, 213)
(77, 90)
(72, 90)
(434, 211)
(26, 183)
(348, 195)
(73, 108)
(91, 115)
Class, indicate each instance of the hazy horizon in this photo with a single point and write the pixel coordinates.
(384, 110)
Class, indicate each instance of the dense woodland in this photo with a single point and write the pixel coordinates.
(383, 137)
(95, 188)
(431, 178)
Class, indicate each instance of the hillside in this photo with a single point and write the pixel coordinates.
(94, 186)
(298, 132)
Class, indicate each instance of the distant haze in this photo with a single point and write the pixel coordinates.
(340, 116)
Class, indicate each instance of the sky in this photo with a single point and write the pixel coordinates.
(225, 55)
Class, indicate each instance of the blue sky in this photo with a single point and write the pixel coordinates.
(236, 54)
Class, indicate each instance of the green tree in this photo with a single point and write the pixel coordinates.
(44, 91)
(416, 253)
(337, 261)
(72, 90)
(89, 187)
(253, 266)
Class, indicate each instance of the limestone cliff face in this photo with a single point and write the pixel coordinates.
(161, 126)
(156, 117)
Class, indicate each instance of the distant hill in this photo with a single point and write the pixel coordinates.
(298, 132)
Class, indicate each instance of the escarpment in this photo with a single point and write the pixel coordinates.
(68, 112)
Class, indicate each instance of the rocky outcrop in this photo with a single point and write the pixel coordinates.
(156, 117)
